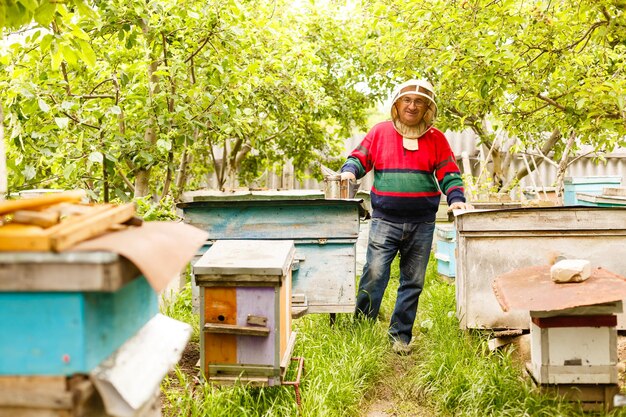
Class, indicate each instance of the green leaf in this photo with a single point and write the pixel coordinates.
(95, 157)
(164, 144)
(115, 110)
(87, 53)
(62, 122)
(29, 172)
(30, 5)
(44, 45)
(80, 34)
(69, 55)
(56, 58)
(43, 106)
(69, 170)
(44, 14)
(85, 10)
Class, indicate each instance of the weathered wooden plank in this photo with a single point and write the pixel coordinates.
(592, 397)
(263, 258)
(37, 218)
(9, 206)
(543, 219)
(243, 370)
(286, 357)
(236, 280)
(35, 392)
(257, 301)
(17, 237)
(220, 306)
(614, 191)
(219, 328)
(34, 412)
(87, 226)
(255, 320)
(232, 380)
(327, 277)
(239, 195)
(69, 271)
(284, 314)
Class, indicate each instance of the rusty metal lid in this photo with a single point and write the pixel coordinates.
(532, 289)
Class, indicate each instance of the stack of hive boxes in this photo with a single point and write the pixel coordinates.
(76, 325)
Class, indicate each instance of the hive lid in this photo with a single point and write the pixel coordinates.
(532, 289)
(246, 257)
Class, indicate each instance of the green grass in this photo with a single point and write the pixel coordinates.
(349, 366)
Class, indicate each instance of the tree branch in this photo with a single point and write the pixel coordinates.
(199, 49)
(74, 118)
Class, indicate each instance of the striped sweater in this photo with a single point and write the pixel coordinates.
(407, 183)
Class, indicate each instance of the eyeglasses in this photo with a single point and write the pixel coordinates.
(416, 102)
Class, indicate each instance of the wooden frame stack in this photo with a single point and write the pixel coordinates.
(56, 222)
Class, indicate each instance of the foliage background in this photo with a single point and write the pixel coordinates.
(132, 98)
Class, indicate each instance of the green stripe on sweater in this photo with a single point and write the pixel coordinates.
(405, 182)
(451, 180)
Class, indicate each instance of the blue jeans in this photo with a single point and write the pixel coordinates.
(413, 241)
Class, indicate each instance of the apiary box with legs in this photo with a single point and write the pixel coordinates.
(245, 310)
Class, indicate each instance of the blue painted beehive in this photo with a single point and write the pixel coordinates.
(56, 332)
(590, 185)
(445, 244)
(324, 231)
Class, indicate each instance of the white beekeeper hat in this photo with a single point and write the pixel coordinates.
(411, 133)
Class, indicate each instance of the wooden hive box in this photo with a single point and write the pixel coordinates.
(324, 232)
(575, 346)
(245, 303)
(62, 314)
(445, 249)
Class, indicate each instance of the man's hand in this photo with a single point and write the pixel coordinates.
(459, 205)
(347, 175)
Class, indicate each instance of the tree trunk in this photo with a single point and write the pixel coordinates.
(560, 173)
(142, 179)
(181, 174)
(3, 159)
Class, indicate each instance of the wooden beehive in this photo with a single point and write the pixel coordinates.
(573, 330)
(575, 346)
(324, 232)
(445, 249)
(245, 317)
(64, 313)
